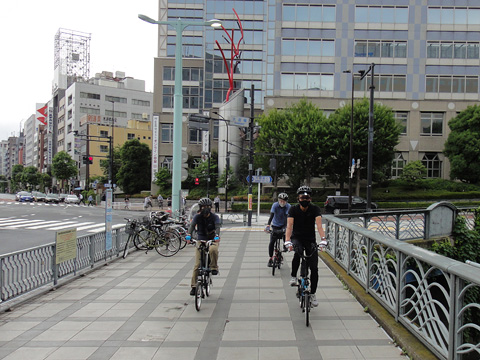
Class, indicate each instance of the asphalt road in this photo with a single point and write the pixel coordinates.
(26, 225)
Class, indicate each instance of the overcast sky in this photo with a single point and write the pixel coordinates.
(119, 42)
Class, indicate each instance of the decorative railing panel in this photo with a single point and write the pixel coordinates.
(435, 297)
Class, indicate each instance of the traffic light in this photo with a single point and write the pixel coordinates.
(273, 164)
(197, 181)
(85, 159)
(90, 159)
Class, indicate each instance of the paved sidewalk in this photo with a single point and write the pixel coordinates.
(139, 308)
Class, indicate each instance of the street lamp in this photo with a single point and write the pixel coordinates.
(350, 164)
(227, 160)
(179, 25)
(111, 147)
(364, 73)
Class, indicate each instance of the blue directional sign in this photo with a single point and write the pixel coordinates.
(260, 179)
(240, 121)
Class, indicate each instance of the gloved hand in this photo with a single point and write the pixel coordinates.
(216, 238)
(288, 245)
(188, 238)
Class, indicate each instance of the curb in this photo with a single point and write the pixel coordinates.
(412, 347)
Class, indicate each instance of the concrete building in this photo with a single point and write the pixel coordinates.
(426, 57)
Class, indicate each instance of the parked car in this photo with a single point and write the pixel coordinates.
(24, 196)
(52, 198)
(338, 204)
(39, 196)
(62, 197)
(72, 199)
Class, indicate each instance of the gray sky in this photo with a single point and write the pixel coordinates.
(119, 42)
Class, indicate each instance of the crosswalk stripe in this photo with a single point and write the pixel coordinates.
(46, 224)
(11, 221)
(28, 223)
(89, 226)
(64, 226)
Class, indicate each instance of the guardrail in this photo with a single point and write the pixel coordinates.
(23, 272)
(433, 296)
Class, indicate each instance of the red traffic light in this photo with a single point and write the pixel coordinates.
(90, 158)
(197, 181)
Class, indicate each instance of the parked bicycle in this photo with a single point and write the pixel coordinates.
(204, 278)
(145, 235)
(303, 284)
(279, 248)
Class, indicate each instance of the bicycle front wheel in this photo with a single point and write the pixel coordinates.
(168, 244)
(274, 265)
(208, 283)
(307, 309)
(198, 295)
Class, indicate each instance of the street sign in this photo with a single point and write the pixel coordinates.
(240, 121)
(260, 179)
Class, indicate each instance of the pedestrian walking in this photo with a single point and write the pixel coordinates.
(216, 201)
(82, 200)
(90, 200)
(127, 202)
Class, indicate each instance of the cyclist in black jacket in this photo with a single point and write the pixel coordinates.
(300, 233)
(208, 227)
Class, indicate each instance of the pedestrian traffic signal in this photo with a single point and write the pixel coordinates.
(197, 181)
(85, 159)
(90, 159)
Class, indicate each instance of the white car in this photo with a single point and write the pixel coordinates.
(72, 199)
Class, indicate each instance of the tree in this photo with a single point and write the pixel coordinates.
(298, 130)
(63, 166)
(134, 174)
(105, 166)
(163, 179)
(413, 171)
(16, 178)
(463, 145)
(387, 132)
(31, 176)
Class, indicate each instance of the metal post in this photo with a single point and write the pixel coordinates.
(370, 141)
(208, 161)
(227, 166)
(350, 174)
(250, 162)
(87, 170)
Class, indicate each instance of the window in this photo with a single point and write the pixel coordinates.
(93, 96)
(142, 116)
(104, 148)
(307, 81)
(70, 100)
(140, 102)
(401, 119)
(121, 114)
(385, 83)
(167, 133)
(69, 146)
(381, 14)
(70, 114)
(431, 124)
(115, 99)
(451, 84)
(308, 47)
(397, 165)
(455, 50)
(103, 133)
(311, 12)
(87, 110)
(453, 15)
(381, 48)
(195, 136)
(130, 136)
(167, 163)
(69, 128)
(433, 164)
(192, 97)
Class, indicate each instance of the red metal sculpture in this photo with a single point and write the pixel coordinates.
(235, 53)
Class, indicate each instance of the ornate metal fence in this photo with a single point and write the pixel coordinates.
(27, 270)
(434, 297)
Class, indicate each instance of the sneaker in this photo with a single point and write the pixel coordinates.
(293, 281)
(313, 300)
(192, 291)
(214, 272)
(270, 263)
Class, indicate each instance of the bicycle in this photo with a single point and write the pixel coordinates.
(147, 236)
(204, 279)
(279, 249)
(303, 283)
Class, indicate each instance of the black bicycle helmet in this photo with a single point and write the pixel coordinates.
(205, 202)
(304, 190)
(283, 196)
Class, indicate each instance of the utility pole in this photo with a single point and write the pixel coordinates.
(250, 162)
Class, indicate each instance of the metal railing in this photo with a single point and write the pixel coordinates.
(431, 295)
(25, 271)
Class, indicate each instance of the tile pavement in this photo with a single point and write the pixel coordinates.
(139, 308)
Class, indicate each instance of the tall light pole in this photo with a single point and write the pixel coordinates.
(350, 164)
(179, 25)
(111, 145)
(364, 73)
(227, 160)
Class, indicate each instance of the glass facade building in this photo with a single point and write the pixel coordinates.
(426, 56)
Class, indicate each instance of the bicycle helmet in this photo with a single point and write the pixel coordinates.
(304, 190)
(205, 202)
(283, 196)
